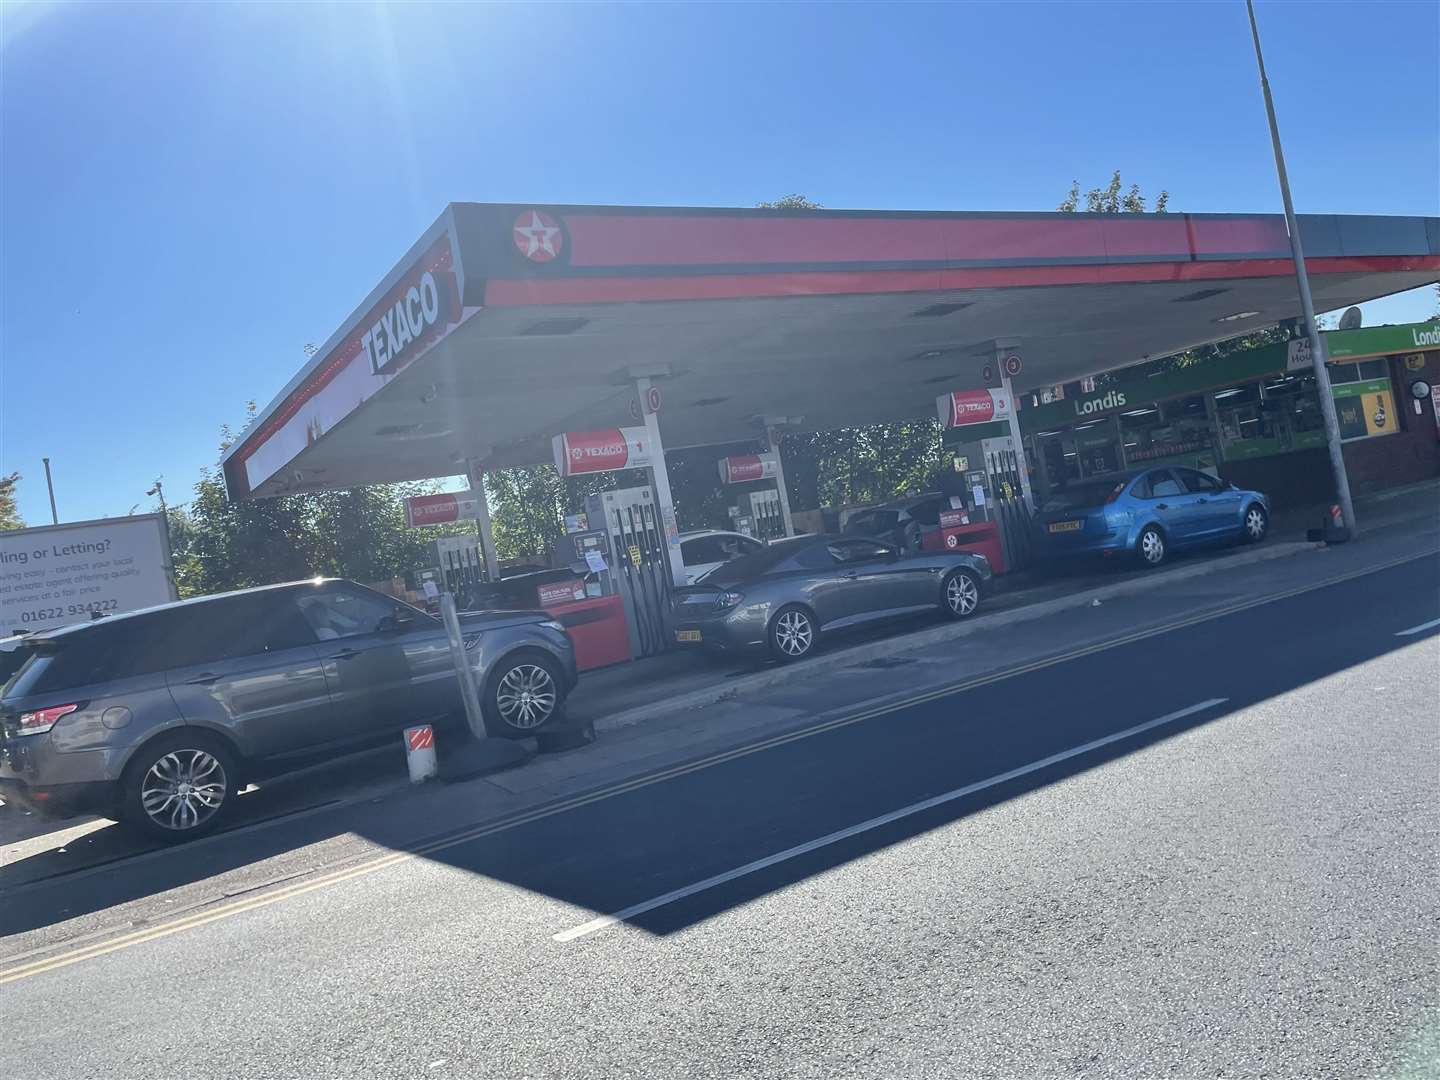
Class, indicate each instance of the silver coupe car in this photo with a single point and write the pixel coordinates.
(784, 597)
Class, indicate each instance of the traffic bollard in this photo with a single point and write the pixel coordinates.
(420, 753)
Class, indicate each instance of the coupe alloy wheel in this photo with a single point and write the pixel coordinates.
(961, 594)
(793, 633)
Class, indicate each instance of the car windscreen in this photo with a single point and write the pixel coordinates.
(757, 563)
(870, 522)
(1083, 496)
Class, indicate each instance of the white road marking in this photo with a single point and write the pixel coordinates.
(606, 921)
(1418, 629)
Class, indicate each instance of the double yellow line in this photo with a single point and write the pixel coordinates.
(337, 877)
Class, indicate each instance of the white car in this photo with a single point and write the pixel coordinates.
(705, 549)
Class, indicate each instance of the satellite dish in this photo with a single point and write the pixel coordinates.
(1351, 319)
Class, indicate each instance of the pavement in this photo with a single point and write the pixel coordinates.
(1189, 832)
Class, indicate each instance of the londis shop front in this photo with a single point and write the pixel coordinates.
(1253, 416)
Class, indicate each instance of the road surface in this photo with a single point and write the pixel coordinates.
(1211, 851)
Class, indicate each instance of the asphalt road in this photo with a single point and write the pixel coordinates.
(1212, 851)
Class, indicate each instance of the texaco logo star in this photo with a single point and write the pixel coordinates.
(538, 236)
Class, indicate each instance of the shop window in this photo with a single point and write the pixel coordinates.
(1364, 399)
(1097, 447)
(1176, 428)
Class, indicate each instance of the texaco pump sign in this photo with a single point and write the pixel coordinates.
(964, 407)
(578, 452)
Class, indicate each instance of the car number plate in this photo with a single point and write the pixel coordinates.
(687, 635)
(1065, 526)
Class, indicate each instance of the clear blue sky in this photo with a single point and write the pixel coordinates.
(191, 192)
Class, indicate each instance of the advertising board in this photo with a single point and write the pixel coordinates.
(58, 574)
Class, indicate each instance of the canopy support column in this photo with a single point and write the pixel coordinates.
(773, 435)
(660, 478)
(476, 474)
(1002, 353)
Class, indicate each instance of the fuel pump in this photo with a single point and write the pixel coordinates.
(763, 509)
(993, 517)
(638, 569)
(461, 567)
(757, 512)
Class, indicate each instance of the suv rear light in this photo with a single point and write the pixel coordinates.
(42, 720)
(1114, 496)
(729, 600)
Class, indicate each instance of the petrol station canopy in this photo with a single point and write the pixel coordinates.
(505, 325)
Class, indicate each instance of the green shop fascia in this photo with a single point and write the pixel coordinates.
(1249, 404)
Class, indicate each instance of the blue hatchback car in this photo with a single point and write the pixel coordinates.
(1150, 514)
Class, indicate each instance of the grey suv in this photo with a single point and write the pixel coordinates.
(157, 717)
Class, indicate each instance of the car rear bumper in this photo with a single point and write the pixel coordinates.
(34, 774)
(738, 631)
(60, 800)
(1092, 541)
(1096, 548)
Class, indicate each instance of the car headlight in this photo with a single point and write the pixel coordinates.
(553, 624)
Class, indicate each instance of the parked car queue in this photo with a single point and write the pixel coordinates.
(158, 717)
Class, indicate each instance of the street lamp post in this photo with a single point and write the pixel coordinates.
(1307, 303)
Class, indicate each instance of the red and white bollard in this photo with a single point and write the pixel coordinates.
(420, 753)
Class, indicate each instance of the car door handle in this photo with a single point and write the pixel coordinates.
(850, 575)
(1162, 506)
(345, 654)
(203, 678)
(1201, 501)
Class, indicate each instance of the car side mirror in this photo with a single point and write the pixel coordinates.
(395, 624)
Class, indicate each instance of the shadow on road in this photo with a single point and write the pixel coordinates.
(651, 841)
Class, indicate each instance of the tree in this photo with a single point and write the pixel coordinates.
(790, 202)
(1111, 199)
(358, 533)
(9, 512)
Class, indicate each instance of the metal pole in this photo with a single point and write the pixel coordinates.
(1307, 304)
(463, 671)
(1013, 422)
(476, 475)
(50, 487)
(660, 476)
(773, 437)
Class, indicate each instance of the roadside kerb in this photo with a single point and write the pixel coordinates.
(844, 657)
